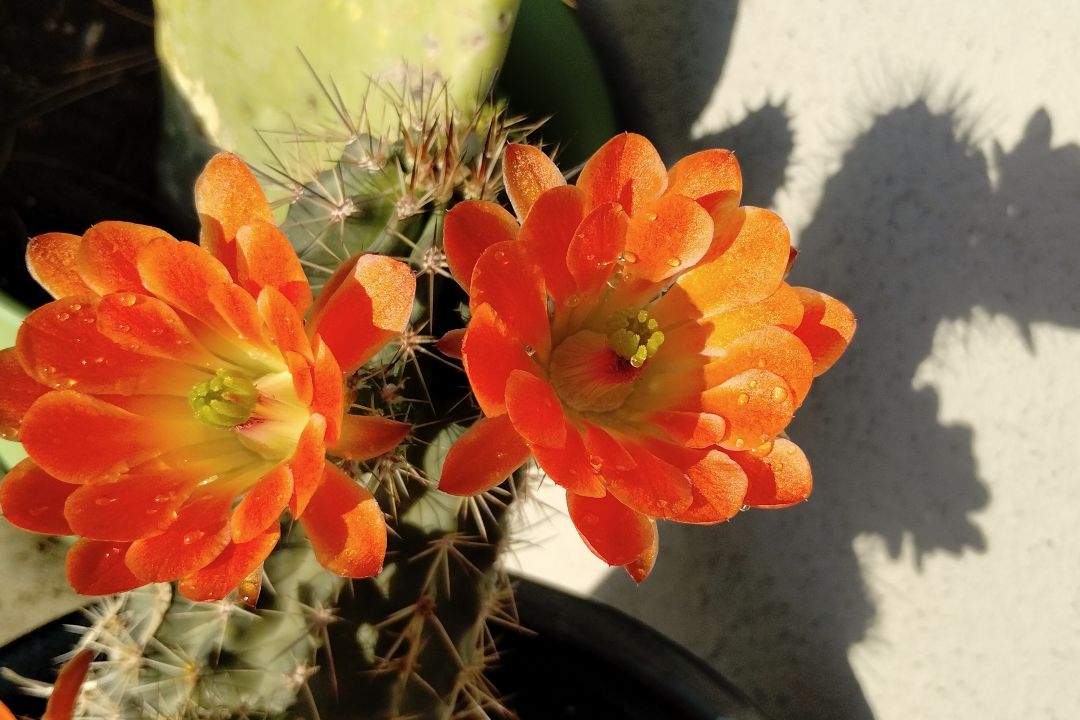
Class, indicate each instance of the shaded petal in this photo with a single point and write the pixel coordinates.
(148, 326)
(363, 306)
(262, 506)
(227, 570)
(626, 170)
(483, 457)
(52, 260)
(527, 173)
(236, 320)
(571, 465)
(666, 237)
(33, 500)
(366, 436)
(778, 479)
(265, 258)
(61, 703)
(827, 327)
(471, 227)
(109, 255)
(711, 177)
(307, 463)
(61, 346)
(227, 196)
(133, 506)
(96, 567)
(79, 438)
(655, 487)
(506, 278)
(346, 527)
(607, 454)
(18, 391)
(285, 325)
(547, 233)
(717, 482)
(747, 271)
(183, 275)
(768, 348)
(490, 353)
(756, 405)
(690, 429)
(200, 533)
(615, 533)
(535, 410)
(328, 394)
(595, 248)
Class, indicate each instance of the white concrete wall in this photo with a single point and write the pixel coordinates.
(925, 156)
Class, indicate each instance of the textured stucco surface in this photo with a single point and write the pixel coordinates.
(925, 157)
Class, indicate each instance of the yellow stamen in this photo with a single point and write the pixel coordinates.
(225, 400)
(635, 336)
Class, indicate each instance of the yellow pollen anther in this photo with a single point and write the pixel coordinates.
(635, 336)
(225, 400)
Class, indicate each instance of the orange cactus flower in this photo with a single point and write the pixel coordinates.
(61, 703)
(173, 402)
(634, 334)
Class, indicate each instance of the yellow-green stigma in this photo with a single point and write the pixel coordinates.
(634, 336)
(225, 400)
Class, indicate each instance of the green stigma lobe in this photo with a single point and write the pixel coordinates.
(225, 400)
(635, 336)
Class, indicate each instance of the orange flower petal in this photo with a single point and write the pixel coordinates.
(265, 258)
(711, 177)
(483, 457)
(300, 370)
(96, 567)
(307, 463)
(18, 391)
(346, 527)
(747, 271)
(547, 233)
(717, 482)
(827, 327)
(779, 479)
(606, 454)
(528, 173)
(768, 348)
(471, 227)
(535, 410)
(52, 260)
(228, 193)
(689, 429)
(615, 533)
(626, 170)
(199, 534)
(655, 487)
(450, 343)
(571, 465)
(227, 570)
(109, 254)
(328, 396)
(640, 568)
(756, 405)
(183, 275)
(285, 325)
(596, 247)
(363, 306)
(33, 500)
(146, 325)
(79, 438)
(262, 506)
(666, 237)
(490, 353)
(506, 278)
(236, 319)
(61, 345)
(367, 436)
(135, 505)
(61, 703)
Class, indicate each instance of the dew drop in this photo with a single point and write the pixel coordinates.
(98, 360)
(193, 536)
(753, 383)
(104, 501)
(69, 383)
(127, 299)
(156, 331)
(500, 256)
(84, 362)
(674, 262)
(75, 307)
(62, 316)
(652, 217)
(761, 362)
(739, 442)
(596, 462)
(530, 350)
(744, 508)
(777, 467)
(779, 393)
(763, 438)
(47, 370)
(163, 498)
(124, 328)
(743, 398)
(630, 257)
(88, 319)
(764, 449)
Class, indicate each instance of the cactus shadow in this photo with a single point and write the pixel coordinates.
(911, 232)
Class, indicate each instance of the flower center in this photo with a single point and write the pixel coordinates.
(226, 400)
(588, 375)
(634, 336)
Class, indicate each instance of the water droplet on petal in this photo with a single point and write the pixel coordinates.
(124, 328)
(739, 442)
(761, 362)
(127, 299)
(652, 217)
(779, 393)
(753, 383)
(744, 508)
(193, 536)
(777, 467)
(75, 307)
(674, 262)
(629, 257)
(105, 500)
(163, 498)
(743, 398)
(62, 316)
(530, 350)
(596, 462)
